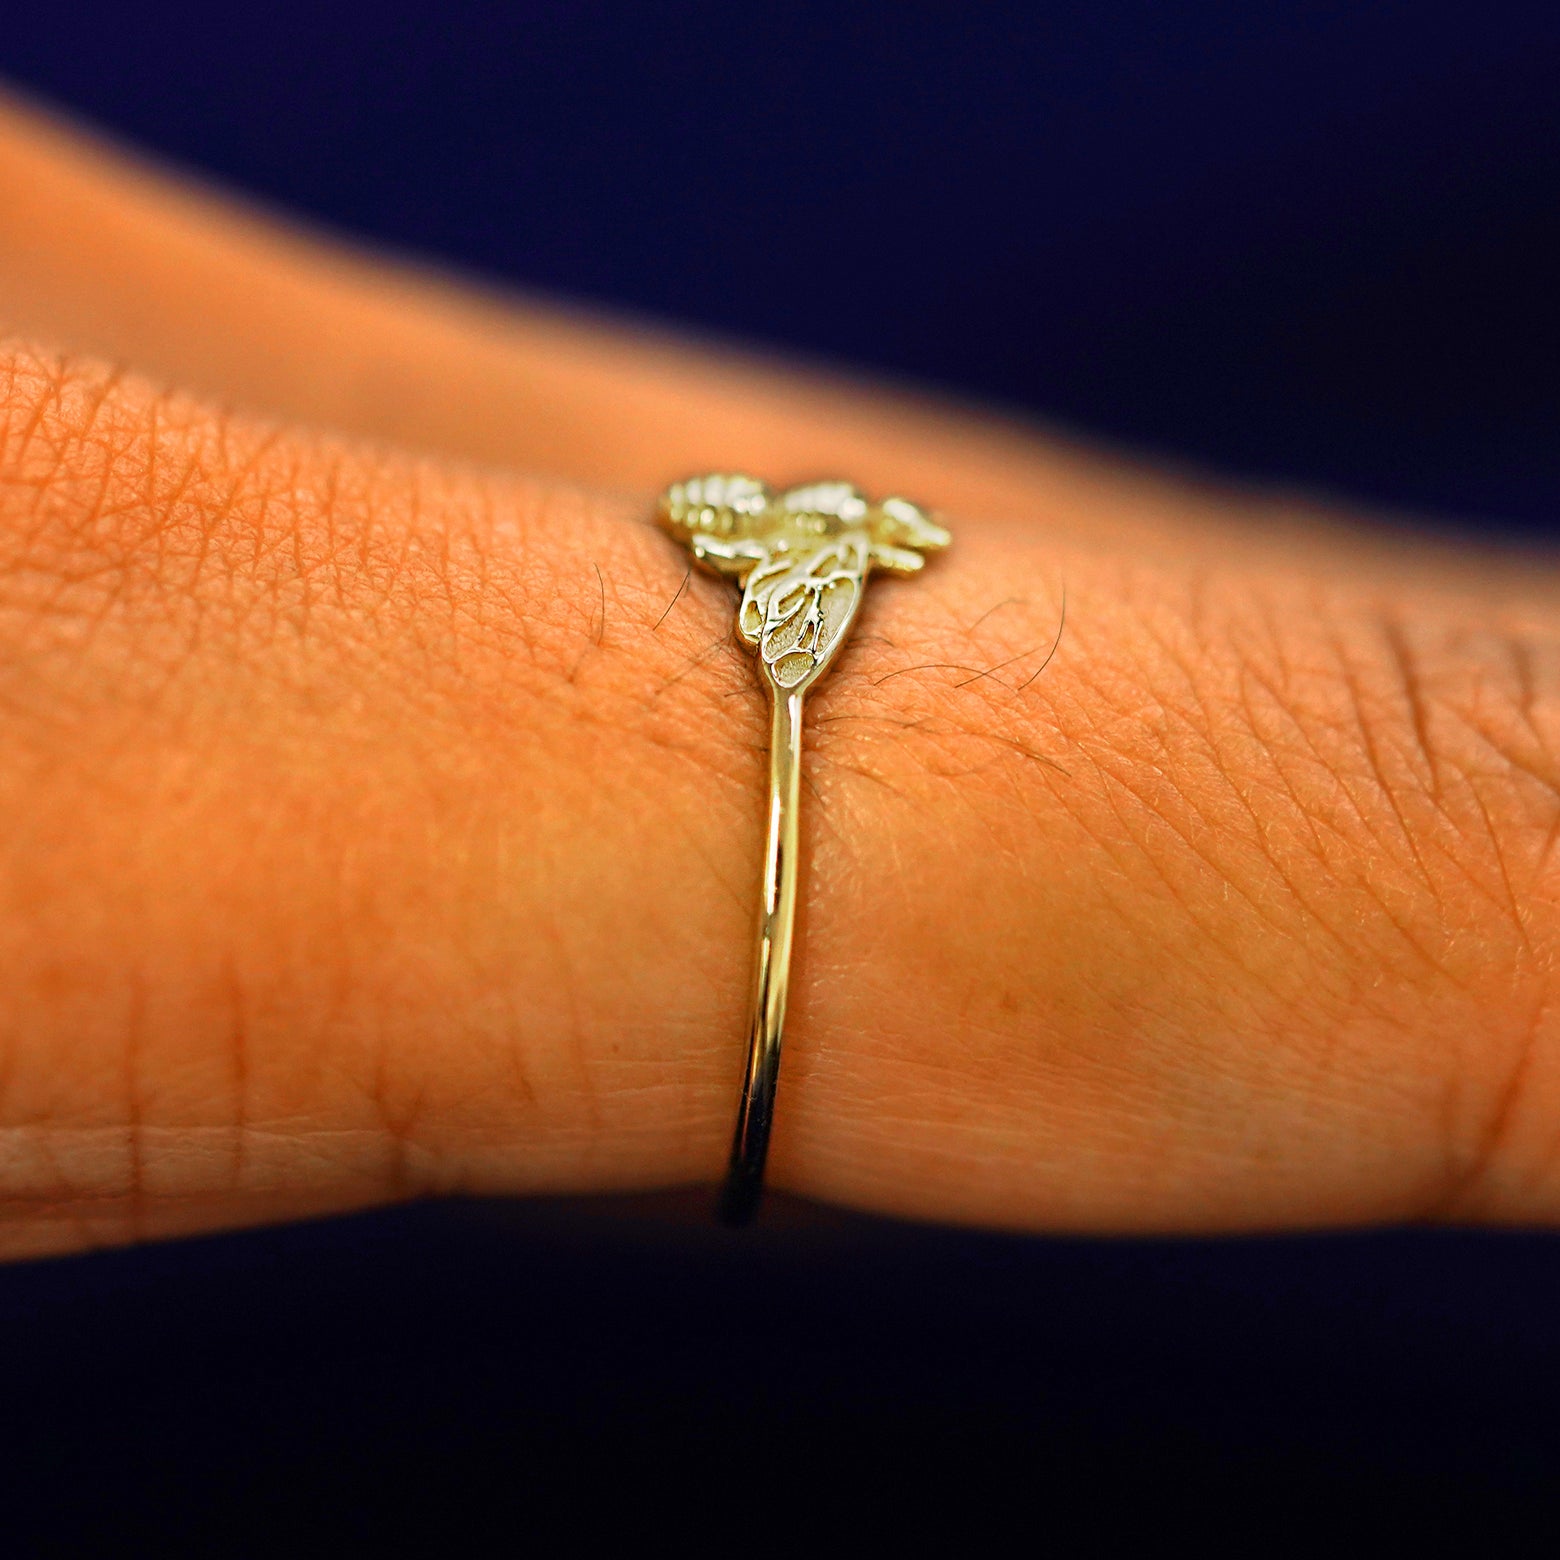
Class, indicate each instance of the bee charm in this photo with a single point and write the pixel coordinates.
(802, 558)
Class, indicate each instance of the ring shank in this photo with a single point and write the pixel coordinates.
(750, 1143)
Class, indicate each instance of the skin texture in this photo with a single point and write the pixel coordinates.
(382, 799)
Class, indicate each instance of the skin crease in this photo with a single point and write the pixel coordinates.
(383, 807)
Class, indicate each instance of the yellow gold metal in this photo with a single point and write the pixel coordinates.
(802, 558)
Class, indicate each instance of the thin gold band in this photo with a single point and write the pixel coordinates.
(772, 970)
(802, 558)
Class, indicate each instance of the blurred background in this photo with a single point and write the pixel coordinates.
(1305, 242)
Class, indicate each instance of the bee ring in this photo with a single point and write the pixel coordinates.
(802, 558)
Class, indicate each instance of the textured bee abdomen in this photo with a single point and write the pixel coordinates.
(720, 504)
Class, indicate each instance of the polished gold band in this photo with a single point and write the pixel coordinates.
(772, 969)
(802, 558)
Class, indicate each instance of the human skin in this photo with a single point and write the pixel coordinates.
(382, 803)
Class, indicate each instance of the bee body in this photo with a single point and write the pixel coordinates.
(732, 521)
(802, 557)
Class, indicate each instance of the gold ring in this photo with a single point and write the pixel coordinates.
(802, 558)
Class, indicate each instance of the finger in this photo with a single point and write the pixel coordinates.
(364, 840)
(105, 254)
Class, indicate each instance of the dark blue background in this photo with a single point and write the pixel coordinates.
(1316, 242)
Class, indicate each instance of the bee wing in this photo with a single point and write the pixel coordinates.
(759, 590)
(797, 608)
